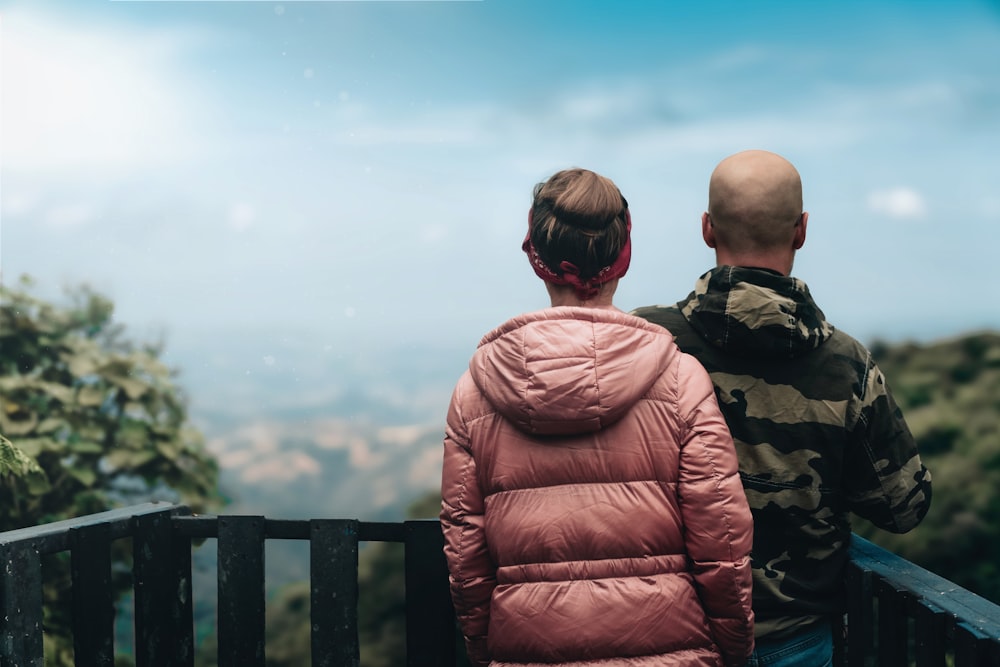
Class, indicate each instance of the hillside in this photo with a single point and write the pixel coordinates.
(949, 392)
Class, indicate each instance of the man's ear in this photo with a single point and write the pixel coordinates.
(707, 231)
(800, 231)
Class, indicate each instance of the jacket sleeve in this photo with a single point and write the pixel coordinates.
(886, 481)
(472, 574)
(717, 520)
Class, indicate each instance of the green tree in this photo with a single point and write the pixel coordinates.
(16, 463)
(949, 392)
(100, 415)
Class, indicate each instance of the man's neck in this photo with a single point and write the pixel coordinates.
(782, 264)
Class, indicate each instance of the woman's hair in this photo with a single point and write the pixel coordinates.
(579, 217)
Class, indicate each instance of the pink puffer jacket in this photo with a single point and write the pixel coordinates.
(591, 505)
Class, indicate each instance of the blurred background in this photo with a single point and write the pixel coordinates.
(313, 210)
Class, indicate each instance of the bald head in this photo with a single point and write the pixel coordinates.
(755, 209)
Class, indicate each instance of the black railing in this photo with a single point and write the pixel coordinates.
(162, 537)
(898, 613)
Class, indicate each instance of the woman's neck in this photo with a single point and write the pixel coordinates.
(566, 296)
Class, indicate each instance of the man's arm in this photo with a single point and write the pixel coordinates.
(887, 482)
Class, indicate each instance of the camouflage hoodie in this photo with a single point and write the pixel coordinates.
(817, 433)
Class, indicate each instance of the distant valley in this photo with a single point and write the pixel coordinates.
(327, 466)
(301, 431)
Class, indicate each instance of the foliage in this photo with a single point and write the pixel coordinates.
(18, 464)
(100, 417)
(949, 392)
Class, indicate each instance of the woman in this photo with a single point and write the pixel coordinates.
(591, 506)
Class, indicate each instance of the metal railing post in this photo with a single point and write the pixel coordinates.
(241, 591)
(21, 593)
(333, 567)
(93, 598)
(430, 617)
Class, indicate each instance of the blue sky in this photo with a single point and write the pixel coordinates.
(361, 171)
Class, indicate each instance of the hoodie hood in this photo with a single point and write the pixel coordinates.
(569, 370)
(755, 311)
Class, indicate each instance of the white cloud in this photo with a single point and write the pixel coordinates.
(69, 215)
(79, 94)
(19, 203)
(433, 232)
(990, 207)
(901, 203)
(241, 216)
(739, 58)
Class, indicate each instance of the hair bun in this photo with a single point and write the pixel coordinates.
(579, 217)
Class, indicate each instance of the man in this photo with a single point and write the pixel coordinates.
(817, 431)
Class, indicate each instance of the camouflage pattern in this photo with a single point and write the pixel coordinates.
(817, 433)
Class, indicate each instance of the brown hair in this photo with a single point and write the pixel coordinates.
(580, 217)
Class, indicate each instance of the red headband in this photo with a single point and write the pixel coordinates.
(585, 289)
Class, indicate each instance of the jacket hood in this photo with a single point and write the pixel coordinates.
(569, 370)
(755, 311)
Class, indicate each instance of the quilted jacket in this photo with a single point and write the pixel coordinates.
(591, 505)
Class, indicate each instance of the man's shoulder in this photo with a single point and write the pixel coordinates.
(842, 343)
(666, 316)
(671, 318)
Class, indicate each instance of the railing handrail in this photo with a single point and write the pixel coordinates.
(54, 536)
(206, 526)
(945, 617)
(898, 613)
(946, 595)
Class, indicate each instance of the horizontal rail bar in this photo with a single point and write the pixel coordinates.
(54, 537)
(946, 596)
(207, 526)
